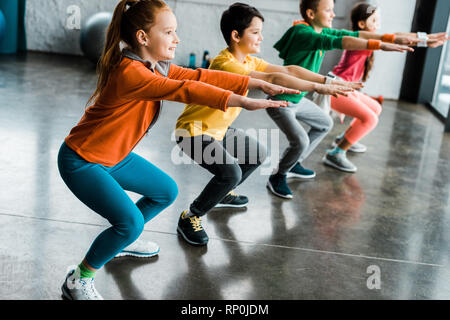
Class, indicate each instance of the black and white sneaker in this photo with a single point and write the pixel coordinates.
(76, 288)
(233, 200)
(190, 228)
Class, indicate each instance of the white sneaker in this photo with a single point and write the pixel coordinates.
(140, 249)
(76, 288)
(339, 161)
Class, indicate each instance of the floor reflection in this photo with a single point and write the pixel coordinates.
(395, 212)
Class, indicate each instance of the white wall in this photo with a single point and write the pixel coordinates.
(199, 24)
(199, 30)
(198, 21)
(386, 77)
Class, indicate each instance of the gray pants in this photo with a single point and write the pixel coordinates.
(301, 143)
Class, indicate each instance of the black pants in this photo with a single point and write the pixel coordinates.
(231, 161)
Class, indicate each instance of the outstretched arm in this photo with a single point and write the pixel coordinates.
(352, 43)
(250, 104)
(407, 38)
(298, 72)
(286, 80)
(309, 76)
(271, 88)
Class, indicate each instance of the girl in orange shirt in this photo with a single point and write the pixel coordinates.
(96, 160)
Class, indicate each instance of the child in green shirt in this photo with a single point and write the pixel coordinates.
(304, 45)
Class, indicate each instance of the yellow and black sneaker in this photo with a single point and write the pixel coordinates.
(232, 200)
(190, 228)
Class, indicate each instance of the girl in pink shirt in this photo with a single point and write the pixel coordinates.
(355, 66)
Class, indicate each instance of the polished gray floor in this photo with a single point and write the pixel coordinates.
(393, 215)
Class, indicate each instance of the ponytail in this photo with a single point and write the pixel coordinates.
(368, 67)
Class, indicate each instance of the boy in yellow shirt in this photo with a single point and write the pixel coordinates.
(205, 135)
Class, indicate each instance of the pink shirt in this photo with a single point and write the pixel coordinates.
(352, 65)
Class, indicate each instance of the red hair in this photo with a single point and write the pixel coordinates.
(129, 17)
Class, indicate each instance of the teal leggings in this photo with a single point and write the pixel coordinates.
(103, 190)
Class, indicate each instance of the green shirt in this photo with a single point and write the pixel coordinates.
(301, 45)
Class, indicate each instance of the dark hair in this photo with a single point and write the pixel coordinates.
(129, 17)
(361, 12)
(305, 5)
(237, 17)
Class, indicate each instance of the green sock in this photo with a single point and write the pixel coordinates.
(85, 272)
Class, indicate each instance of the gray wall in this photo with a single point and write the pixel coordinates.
(198, 20)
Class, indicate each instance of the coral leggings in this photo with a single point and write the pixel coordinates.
(363, 109)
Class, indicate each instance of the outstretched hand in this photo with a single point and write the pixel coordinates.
(395, 47)
(434, 40)
(352, 85)
(437, 39)
(273, 89)
(257, 104)
(334, 90)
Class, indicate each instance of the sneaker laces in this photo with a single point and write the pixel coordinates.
(232, 193)
(196, 223)
(88, 287)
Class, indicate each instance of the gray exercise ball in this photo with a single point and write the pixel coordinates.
(93, 35)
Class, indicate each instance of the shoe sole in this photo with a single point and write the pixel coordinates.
(291, 175)
(334, 145)
(231, 205)
(136, 254)
(331, 164)
(269, 186)
(197, 244)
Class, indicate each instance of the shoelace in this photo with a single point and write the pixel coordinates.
(89, 288)
(196, 223)
(232, 193)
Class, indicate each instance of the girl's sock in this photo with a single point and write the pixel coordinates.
(85, 272)
(336, 151)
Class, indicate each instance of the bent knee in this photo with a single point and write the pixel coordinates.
(230, 174)
(171, 191)
(328, 123)
(299, 142)
(132, 227)
(378, 109)
(372, 120)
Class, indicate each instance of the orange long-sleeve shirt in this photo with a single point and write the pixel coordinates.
(130, 104)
